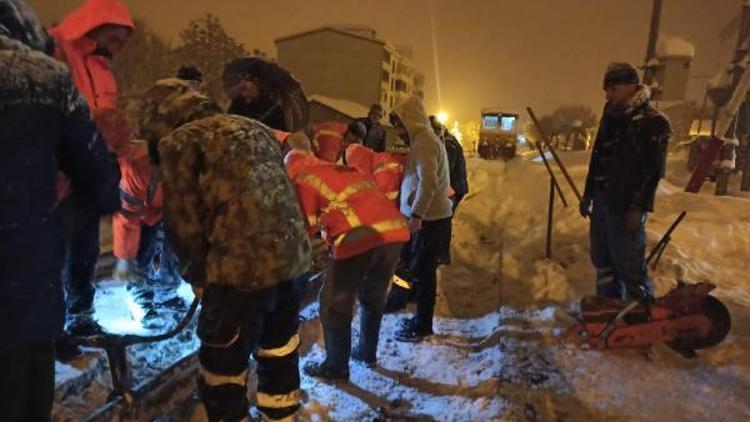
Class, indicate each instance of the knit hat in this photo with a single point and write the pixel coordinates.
(620, 73)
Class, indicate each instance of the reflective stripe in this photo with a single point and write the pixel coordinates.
(131, 214)
(312, 219)
(605, 280)
(387, 166)
(278, 352)
(392, 194)
(130, 199)
(401, 282)
(213, 379)
(385, 226)
(337, 201)
(278, 401)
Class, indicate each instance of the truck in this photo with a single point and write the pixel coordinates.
(498, 134)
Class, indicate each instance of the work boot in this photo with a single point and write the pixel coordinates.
(83, 325)
(413, 333)
(66, 350)
(321, 370)
(367, 361)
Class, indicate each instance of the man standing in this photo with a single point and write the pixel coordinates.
(86, 40)
(425, 202)
(234, 221)
(44, 127)
(375, 138)
(628, 159)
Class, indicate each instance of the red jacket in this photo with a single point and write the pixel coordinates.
(297, 161)
(388, 172)
(141, 198)
(91, 73)
(360, 158)
(328, 140)
(345, 205)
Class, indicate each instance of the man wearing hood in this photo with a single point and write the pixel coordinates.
(627, 161)
(86, 41)
(424, 201)
(233, 218)
(35, 88)
(250, 96)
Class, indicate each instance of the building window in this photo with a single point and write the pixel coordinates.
(386, 76)
(400, 85)
(387, 57)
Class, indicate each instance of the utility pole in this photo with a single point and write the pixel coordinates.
(649, 70)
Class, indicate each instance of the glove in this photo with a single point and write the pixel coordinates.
(197, 291)
(585, 207)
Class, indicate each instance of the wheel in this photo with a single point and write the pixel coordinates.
(721, 323)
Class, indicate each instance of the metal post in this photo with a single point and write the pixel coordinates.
(653, 36)
(550, 214)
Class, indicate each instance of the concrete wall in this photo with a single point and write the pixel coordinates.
(335, 65)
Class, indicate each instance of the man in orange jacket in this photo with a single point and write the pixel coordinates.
(365, 231)
(86, 40)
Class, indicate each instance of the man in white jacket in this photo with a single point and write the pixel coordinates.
(425, 202)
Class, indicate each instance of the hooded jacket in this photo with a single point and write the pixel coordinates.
(36, 88)
(91, 72)
(426, 180)
(230, 211)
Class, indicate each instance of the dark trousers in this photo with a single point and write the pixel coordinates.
(431, 245)
(154, 243)
(618, 253)
(27, 382)
(81, 254)
(365, 276)
(235, 323)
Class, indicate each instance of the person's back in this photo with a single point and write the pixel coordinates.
(44, 127)
(255, 234)
(388, 172)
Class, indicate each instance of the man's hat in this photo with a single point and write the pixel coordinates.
(620, 73)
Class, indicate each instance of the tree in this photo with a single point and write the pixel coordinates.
(205, 43)
(145, 59)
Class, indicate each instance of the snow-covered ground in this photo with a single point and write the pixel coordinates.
(502, 307)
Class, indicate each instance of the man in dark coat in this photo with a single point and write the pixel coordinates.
(44, 127)
(375, 137)
(628, 159)
(250, 95)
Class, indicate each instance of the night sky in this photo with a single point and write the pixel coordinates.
(509, 53)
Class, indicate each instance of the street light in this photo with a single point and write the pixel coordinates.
(442, 117)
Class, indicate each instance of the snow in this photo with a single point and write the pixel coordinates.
(501, 309)
(671, 46)
(350, 108)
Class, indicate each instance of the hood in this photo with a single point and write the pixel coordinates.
(169, 104)
(412, 114)
(18, 21)
(92, 14)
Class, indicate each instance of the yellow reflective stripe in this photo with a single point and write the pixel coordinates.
(401, 282)
(389, 225)
(312, 219)
(338, 201)
(213, 379)
(278, 352)
(278, 401)
(392, 194)
(386, 166)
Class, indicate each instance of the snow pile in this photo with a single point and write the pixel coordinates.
(350, 108)
(671, 46)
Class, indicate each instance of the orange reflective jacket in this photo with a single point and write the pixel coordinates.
(349, 210)
(328, 140)
(388, 172)
(359, 157)
(297, 161)
(141, 198)
(90, 72)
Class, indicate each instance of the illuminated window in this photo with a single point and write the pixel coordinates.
(507, 122)
(490, 121)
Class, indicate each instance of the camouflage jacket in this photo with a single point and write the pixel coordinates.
(231, 212)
